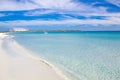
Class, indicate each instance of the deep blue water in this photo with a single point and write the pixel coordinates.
(83, 55)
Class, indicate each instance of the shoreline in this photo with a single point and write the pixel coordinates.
(35, 68)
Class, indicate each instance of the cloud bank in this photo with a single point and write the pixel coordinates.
(70, 10)
(107, 21)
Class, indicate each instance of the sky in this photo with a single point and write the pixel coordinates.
(86, 15)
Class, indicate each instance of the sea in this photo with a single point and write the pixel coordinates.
(80, 55)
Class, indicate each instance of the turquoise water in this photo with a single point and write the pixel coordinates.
(83, 55)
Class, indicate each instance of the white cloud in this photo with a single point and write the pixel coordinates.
(1, 15)
(37, 13)
(64, 5)
(13, 5)
(98, 14)
(56, 4)
(115, 2)
(19, 29)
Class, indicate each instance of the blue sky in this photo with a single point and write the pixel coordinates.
(60, 14)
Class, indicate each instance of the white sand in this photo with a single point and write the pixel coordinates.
(16, 64)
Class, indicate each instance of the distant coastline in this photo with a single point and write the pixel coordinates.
(45, 31)
(56, 31)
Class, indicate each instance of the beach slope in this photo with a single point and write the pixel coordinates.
(16, 64)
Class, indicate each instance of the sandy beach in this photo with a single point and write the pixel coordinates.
(16, 64)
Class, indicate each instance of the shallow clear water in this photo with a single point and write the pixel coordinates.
(84, 55)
